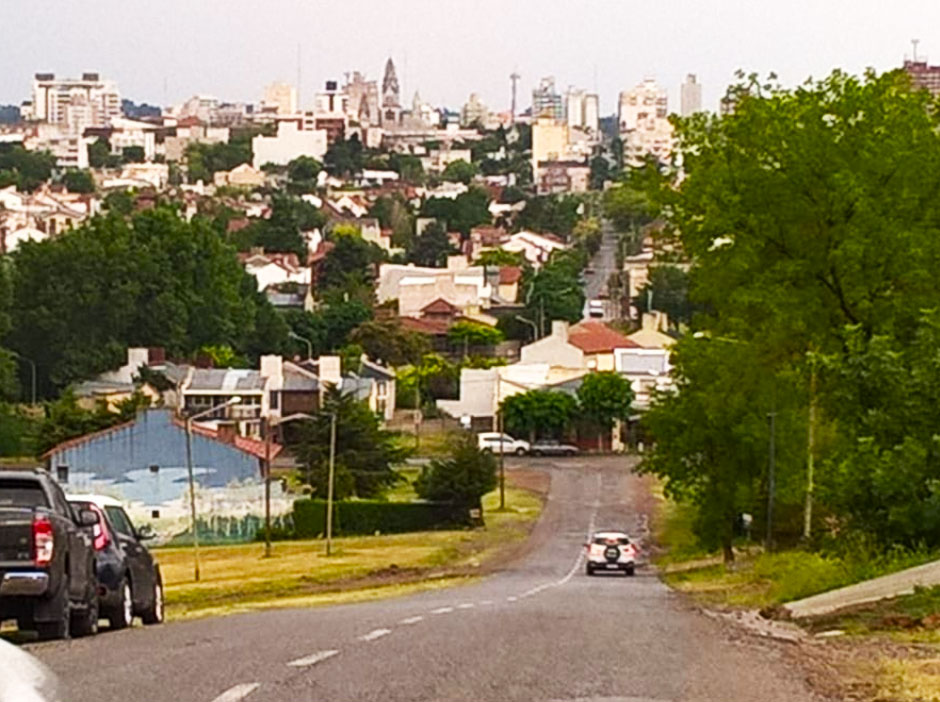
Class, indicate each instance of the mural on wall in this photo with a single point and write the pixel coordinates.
(143, 464)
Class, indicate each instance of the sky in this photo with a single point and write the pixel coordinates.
(164, 52)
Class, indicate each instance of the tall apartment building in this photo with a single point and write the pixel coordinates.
(363, 104)
(644, 124)
(280, 98)
(582, 110)
(474, 111)
(690, 98)
(923, 75)
(546, 102)
(74, 104)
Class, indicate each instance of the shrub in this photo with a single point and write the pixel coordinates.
(362, 517)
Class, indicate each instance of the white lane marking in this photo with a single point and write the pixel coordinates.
(375, 634)
(237, 693)
(313, 659)
(466, 605)
(442, 610)
(511, 599)
(486, 602)
(412, 620)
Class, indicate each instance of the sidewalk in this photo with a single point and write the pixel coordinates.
(887, 586)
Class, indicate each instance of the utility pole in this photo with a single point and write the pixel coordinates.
(502, 462)
(810, 450)
(515, 79)
(192, 497)
(771, 482)
(266, 424)
(329, 489)
(417, 411)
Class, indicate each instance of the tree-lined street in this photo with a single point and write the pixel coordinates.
(538, 630)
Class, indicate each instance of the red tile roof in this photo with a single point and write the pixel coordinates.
(509, 275)
(440, 306)
(597, 337)
(432, 327)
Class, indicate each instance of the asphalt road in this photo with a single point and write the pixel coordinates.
(604, 263)
(538, 630)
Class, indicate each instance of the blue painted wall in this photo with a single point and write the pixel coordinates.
(119, 462)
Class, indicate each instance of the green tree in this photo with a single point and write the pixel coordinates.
(500, 257)
(461, 479)
(100, 156)
(387, 341)
(133, 154)
(551, 213)
(466, 333)
(365, 454)
(203, 159)
(668, 291)
(600, 172)
(460, 172)
(604, 397)
(281, 232)
(554, 292)
(351, 264)
(25, 169)
(302, 173)
(431, 248)
(344, 158)
(152, 280)
(408, 167)
(463, 213)
(78, 181)
(539, 413)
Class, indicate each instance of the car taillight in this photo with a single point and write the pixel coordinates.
(100, 532)
(631, 550)
(43, 541)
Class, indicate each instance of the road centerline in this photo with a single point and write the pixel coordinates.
(312, 659)
(237, 693)
(412, 620)
(375, 634)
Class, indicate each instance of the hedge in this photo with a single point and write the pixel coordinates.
(360, 517)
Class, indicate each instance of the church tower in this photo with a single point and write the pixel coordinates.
(391, 96)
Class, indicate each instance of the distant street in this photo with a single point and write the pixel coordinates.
(604, 263)
(539, 630)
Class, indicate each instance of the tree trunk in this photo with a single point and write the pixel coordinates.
(600, 441)
(727, 551)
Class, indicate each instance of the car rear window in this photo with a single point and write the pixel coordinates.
(22, 493)
(604, 540)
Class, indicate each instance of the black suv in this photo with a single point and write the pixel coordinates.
(129, 582)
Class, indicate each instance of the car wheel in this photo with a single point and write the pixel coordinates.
(630, 571)
(154, 612)
(589, 569)
(85, 621)
(520, 452)
(58, 628)
(122, 616)
(536, 453)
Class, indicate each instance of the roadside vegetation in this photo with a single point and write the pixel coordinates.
(238, 578)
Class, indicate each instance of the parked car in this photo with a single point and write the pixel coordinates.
(610, 551)
(47, 561)
(596, 308)
(492, 440)
(553, 448)
(129, 582)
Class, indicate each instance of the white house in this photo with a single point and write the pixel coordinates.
(415, 287)
(289, 143)
(535, 247)
(275, 269)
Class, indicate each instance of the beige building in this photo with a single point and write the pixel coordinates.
(280, 98)
(243, 176)
(643, 116)
(74, 104)
(550, 141)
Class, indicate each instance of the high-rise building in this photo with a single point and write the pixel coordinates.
(74, 104)
(923, 75)
(280, 98)
(550, 141)
(546, 102)
(690, 100)
(592, 113)
(644, 123)
(331, 100)
(474, 112)
(362, 100)
(574, 108)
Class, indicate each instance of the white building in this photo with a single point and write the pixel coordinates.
(644, 123)
(331, 102)
(592, 113)
(69, 148)
(690, 100)
(415, 287)
(203, 107)
(537, 248)
(74, 104)
(290, 142)
(474, 112)
(126, 133)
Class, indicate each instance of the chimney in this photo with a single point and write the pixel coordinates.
(330, 370)
(272, 368)
(560, 329)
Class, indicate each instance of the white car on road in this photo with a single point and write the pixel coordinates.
(610, 551)
(492, 440)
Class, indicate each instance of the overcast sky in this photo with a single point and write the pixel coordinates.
(163, 52)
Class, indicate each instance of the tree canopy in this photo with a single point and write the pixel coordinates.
(461, 479)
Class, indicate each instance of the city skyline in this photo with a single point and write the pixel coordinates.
(234, 54)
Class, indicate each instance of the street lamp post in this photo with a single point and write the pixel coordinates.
(192, 482)
(329, 489)
(309, 344)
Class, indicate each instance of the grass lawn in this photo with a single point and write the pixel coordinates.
(238, 578)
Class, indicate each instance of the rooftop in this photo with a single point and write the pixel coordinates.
(597, 337)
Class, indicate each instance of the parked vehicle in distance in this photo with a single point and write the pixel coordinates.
(553, 448)
(129, 582)
(495, 442)
(610, 551)
(47, 561)
(595, 308)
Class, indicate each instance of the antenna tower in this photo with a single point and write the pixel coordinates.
(515, 79)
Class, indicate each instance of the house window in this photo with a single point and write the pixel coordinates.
(154, 514)
(154, 469)
(275, 399)
(62, 474)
